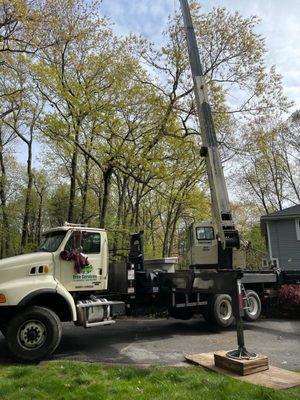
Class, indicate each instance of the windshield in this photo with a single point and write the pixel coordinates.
(204, 233)
(51, 241)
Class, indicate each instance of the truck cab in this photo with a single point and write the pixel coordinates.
(204, 250)
(66, 279)
(23, 275)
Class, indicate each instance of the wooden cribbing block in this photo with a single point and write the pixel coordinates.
(241, 367)
(275, 378)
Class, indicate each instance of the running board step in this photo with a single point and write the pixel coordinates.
(101, 323)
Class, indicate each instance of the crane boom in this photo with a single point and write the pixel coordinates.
(221, 209)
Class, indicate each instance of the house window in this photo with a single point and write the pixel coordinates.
(298, 228)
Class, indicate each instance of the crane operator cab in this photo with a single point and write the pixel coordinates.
(204, 249)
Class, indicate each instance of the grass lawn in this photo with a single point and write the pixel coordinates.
(73, 380)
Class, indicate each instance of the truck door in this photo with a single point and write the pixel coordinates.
(91, 277)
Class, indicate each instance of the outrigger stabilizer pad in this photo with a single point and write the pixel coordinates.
(241, 354)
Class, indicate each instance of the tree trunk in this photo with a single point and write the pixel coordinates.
(5, 247)
(28, 198)
(172, 235)
(166, 237)
(72, 198)
(107, 174)
(152, 237)
(137, 208)
(99, 197)
(39, 221)
(120, 210)
(290, 175)
(85, 190)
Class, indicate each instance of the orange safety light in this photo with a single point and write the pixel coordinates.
(2, 298)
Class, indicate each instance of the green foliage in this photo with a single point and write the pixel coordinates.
(58, 204)
(270, 162)
(257, 247)
(116, 127)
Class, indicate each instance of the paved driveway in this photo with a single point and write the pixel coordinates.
(166, 341)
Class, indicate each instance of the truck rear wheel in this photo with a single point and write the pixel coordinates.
(219, 311)
(252, 313)
(33, 334)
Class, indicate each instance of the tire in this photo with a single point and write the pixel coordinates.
(253, 312)
(181, 314)
(33, 334)
(219, 311)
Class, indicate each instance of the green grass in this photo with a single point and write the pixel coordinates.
(74, 380)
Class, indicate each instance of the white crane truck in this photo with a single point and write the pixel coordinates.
(70, 277)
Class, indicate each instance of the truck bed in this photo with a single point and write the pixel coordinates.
(269, 276)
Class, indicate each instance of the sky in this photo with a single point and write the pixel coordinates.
(280, 25)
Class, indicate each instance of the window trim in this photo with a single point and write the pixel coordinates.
(205, 240)
(297, 224)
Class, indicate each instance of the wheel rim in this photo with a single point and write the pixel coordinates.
(225, 309)
(32, 335)
(253, 306)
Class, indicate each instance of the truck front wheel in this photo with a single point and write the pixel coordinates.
(33, 334)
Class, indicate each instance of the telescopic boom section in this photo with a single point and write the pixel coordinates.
(221, 210)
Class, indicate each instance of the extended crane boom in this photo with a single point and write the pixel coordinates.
(221, 209)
